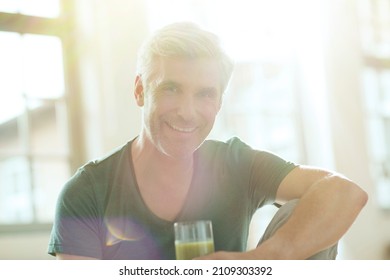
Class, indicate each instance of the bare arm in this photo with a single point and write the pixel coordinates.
(329, 204)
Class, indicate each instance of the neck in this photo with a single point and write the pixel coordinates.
(160, 167)
(163, 181)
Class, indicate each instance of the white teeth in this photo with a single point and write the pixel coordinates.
(182, 129)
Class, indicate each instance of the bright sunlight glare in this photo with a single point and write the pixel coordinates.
(41, 8)
(262, 29)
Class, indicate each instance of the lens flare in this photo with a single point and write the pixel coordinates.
(122, 229)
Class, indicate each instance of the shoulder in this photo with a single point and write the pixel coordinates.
(237, 154)
(107, 166)
(111, 159)
(94, 176)
(234, 148)
(229, 142)
(232, 155)
(231, 145)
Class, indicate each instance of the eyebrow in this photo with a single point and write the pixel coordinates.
(166, 83)
(214, 89)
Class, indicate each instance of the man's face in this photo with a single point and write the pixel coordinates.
(181, 105)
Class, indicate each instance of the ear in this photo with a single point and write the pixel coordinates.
(139, 91)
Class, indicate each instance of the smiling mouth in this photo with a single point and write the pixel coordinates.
(182, 129)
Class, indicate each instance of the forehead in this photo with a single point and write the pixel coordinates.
(191, 71)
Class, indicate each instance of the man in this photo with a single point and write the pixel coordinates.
(124, 205)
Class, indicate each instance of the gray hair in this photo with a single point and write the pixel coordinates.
(183, 40)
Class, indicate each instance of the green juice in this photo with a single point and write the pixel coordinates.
(190, 250)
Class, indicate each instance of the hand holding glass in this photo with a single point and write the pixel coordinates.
(193, 239)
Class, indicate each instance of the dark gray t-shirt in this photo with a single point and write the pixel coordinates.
(101, 214)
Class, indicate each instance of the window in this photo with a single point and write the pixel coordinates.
(39, 8)
(261, 106)
(374, 16)
(34, 140)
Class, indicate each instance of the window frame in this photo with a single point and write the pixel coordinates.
(377, 63)
(61, 27)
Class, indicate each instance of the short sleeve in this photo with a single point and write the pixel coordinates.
(76, 227)
(264, 170)
(267, 172)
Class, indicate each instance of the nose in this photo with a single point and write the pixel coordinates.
(186, 107)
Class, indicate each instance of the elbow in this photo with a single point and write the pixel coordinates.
(354, 193)
(363, 197)
(360, 197)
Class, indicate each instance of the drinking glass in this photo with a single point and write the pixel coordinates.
(193, 239)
